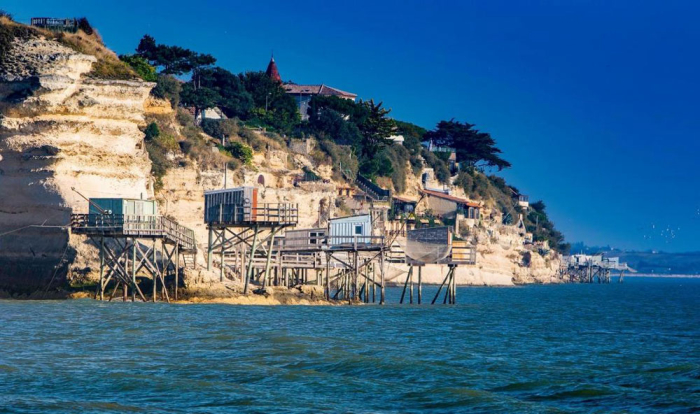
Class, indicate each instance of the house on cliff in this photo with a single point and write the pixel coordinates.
(448, 207)
(304, 93)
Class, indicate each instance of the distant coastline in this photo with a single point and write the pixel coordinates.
(669, 276)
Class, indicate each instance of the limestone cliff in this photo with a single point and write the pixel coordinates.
(60, 129)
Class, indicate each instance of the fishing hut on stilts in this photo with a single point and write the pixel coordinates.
(241, 229)
(583, 268)
(133, 240)
(347, 258)
(435, 246)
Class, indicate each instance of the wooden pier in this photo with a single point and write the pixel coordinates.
(352, 267)
(240, 229)
(132, 244)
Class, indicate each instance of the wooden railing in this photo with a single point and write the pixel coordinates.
(134, 225)
(374, 191)
(327, 242)
(275, 213)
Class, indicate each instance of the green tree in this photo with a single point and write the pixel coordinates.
(376, 128)
(141, 67)
(351, 111)
(234, 100)
(330, 124)
(167, 87)
(472, 146)
(173, 60)
(198, 98)
(276, 107)
(412, 135)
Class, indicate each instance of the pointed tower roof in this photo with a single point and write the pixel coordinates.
(272, 71)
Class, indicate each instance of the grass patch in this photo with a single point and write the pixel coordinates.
(108, 65)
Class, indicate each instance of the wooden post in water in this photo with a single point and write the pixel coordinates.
(374, 285)
(177, 267)
(328, 276)
(420, 285)
(102, 268)
(133, 270)
(382, 298)
(155, 264)
(411, 286)
(454, 285)
(405, 284)
(249, 273)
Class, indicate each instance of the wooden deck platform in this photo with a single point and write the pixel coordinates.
(146, 227)
(327, 243)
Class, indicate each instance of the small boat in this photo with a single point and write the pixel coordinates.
(428, 245)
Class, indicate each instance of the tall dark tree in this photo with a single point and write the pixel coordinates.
(355, 112)
(376, 129)
(278, 108)
(329, 124)
(472, 146)
(233, 100)
(200, 99)
(173, 60)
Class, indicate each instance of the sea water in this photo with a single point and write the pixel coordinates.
(631, 347)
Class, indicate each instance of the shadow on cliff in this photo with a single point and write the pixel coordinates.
(35, 253)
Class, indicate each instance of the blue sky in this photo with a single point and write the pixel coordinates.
(594, 102)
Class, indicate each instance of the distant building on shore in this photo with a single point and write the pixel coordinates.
(303, 93)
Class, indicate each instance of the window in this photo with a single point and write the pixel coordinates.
(358, 230)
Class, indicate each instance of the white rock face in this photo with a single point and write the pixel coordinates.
(59, 130)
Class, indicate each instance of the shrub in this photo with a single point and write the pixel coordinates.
(84, 25)
(184, 118)
(159, 162)
(168, 87)
(442, 172)
(241, 151)
(152, 131)
(141, 67)
(217, 128)
(340, 155)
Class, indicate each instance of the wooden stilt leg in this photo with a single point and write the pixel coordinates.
(405, 285)
(249, 273)
(382, 299)
(328, 276)
(133, 271)
(102, 268)
(437, 295)
(420, 285)
(210, 248)
(155, 276)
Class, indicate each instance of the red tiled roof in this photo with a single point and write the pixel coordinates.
(293, 88)
(450, 198)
